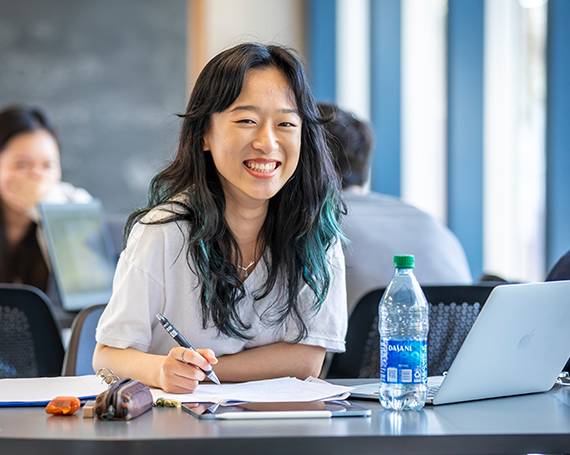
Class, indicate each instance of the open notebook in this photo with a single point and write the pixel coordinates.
(518, 345)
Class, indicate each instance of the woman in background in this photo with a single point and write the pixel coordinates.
(239, 245)
(30, 172)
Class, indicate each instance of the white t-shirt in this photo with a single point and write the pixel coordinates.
(153, 277)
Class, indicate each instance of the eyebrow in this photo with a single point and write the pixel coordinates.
(256, 109)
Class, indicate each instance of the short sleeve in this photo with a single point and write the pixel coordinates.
(327, 328)
(139, 286)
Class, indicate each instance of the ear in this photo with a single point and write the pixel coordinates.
(206, 142)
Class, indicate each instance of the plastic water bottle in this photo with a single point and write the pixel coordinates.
(403, 326)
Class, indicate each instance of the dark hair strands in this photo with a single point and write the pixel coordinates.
(17, 119)
(350, 141)
(303, 217)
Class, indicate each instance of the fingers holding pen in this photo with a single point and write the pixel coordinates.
(209, 356)
(201, 358)
(177, 376)
(189, 360)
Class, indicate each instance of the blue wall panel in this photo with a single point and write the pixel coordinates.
(465, 127)
(385, 95)
(558, 131)
(322, 48)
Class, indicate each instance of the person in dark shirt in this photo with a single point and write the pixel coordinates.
(30, 172)
(29, 166)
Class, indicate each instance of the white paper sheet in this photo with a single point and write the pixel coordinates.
(43, 390)
(272, 390)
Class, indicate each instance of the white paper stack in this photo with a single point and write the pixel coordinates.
(279, 390)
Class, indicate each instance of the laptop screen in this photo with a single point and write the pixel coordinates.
(81, 252)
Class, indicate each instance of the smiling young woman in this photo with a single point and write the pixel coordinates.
(255, 143)
(239, 246)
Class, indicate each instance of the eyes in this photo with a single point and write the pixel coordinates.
(252, 122)
(23, 165)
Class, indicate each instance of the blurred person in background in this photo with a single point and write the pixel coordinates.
(30, 172)
(380, 226)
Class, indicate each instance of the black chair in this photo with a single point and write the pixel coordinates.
(79, 354)
(30, 338)
(116, 223)
(561, 270)
(452, 312)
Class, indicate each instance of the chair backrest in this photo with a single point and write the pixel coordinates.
(30, 338)
(116, 224)
(452, 312)
(79, 354)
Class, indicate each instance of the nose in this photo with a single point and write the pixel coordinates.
(36, 172)
(266, 139)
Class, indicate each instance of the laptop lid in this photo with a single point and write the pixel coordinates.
(518, 344)
(81, 252)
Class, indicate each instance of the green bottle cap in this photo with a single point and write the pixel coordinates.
(404, 261)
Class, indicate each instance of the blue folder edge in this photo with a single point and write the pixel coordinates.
(21, 404)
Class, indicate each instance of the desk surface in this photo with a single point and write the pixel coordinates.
(538, 423)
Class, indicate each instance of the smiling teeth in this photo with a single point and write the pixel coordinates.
(261, 167)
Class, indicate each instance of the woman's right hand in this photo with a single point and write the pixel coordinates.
(178, 376)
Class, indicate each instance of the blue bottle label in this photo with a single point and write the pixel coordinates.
(403, 361)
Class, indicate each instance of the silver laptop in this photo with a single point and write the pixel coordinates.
(81, 251)
(518, 345)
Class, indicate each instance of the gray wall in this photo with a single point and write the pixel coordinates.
(112, 74)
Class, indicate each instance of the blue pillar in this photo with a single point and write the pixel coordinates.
(385, 95)
(558, 131)
(465, 30)
(321, 48)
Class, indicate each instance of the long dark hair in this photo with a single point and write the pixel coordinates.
(24, 262)
(302, 222)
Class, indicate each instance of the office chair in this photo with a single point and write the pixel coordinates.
(116, 223)
(452, 312)
(79, 354)
(30, 338)
(561, 270)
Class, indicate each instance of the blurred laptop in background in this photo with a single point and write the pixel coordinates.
(81, 251)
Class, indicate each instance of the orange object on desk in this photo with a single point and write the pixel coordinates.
(63, 405)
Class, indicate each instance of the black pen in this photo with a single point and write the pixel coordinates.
(174, 333)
